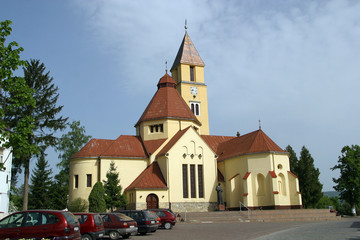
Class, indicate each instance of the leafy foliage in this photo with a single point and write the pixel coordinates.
(310, 186)
(78, 205)
(69, 144)
(15, 95)
(113, 197)
(96, 198)
(348, 184)
(40, 184)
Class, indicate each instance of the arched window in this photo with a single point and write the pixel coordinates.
(260, 185)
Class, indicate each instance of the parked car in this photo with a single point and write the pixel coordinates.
(145, 220)
(167, 217)
(117, 224)
(157, 219)
(47, 224)
(91, 225)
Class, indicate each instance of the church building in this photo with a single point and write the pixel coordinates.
(174, 162)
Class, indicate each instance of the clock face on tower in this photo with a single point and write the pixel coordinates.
(193, 90)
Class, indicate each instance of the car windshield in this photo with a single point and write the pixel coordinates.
(150, 215)
(97, 219)
(70, 218)
(123, 217)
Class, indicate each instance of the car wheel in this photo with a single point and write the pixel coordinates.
(86, 237)
(167, 225)
(126, 236)
(114, 235)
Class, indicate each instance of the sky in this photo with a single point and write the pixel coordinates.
(294, 65)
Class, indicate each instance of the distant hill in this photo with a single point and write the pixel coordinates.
(331, 194)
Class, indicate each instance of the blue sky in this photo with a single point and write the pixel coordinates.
(292, 64)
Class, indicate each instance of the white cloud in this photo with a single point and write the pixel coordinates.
(294, 64)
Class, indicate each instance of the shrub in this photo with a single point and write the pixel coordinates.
(97, 198)
(78, 205)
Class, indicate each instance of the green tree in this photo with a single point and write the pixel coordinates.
(45, 114)
(293, 159)
(348, 184)
(15, 95)
(78, 205)
(97, 202)
(310, 186)
(113, 197)
(69, 144)
(40, 184)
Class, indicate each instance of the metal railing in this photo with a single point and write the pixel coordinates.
(248, 210)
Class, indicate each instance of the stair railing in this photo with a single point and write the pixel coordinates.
(248, 209)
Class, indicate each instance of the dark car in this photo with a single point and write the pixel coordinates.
(91, 225)
(117, 224)
(167, 217)
(38, 224)
(145, 220)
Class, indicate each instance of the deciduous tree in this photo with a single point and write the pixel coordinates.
(15, 96)
(69, 144)
(348, 184)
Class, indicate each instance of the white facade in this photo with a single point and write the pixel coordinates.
(5, 178)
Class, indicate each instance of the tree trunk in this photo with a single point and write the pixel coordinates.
(26, 185)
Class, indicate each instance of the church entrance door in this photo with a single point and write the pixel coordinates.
(152, 201)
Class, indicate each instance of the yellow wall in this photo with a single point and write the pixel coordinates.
(128, 170)
(171, 127)
(182, 77)
(260, 188)
(171, 166)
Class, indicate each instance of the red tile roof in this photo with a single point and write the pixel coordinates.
(152, 145)
(150, 178)
(187, 54)
(93, 148)
(214, 141)
(172, 141)
(254, 142)
(126, 146)
(167, 103)
(123, 147)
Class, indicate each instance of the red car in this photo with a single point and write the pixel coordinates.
(47, 224)
(91, 226)
(117, 224)
(167, 218)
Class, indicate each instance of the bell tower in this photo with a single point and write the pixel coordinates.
(188, 73)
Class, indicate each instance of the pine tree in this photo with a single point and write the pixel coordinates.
(44, 113)
(348, 184)
(310, 186)
(40, 184)
(293, 160)
(113, 197)
(96, 199)
(69, 144)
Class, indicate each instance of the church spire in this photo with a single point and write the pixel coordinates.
(187, 53)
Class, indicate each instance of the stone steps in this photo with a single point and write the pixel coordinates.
(262, 216)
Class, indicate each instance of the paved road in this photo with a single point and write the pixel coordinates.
(344, 229)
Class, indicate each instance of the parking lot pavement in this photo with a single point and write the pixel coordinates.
(344, 229)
